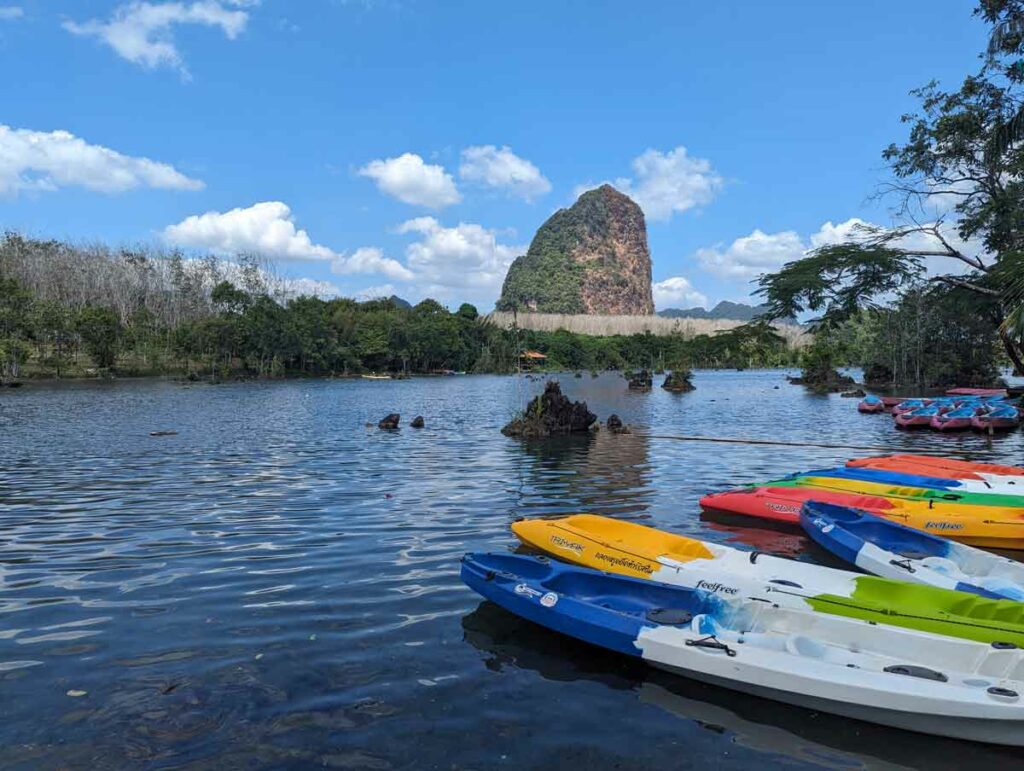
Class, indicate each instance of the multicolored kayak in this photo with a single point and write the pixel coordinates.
(920, 476)
(644, 552)
(891, 550)
(949, 468)
(894, 677)
(977, 525)
(894, 484)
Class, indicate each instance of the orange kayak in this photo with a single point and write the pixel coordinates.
(941, 468)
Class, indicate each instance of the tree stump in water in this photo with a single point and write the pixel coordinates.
(550, 414)
(640, 381)
(678, 381)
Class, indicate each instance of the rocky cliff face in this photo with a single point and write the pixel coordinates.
(590, 258)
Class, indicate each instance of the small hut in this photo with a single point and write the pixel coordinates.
(530, 360)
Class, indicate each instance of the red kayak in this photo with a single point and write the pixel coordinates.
(782, 504)
(931, 466)
(997, 422)
(871, 408)
(976, 392)
(915, 418)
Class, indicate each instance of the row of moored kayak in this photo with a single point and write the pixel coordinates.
(932, 642)
(948, 413)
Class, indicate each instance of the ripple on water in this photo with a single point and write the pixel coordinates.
(277, 585)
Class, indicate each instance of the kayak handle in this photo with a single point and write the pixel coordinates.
(712, 642)
(911, 670)
(905, 564)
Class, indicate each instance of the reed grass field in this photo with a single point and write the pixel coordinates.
(607, 326)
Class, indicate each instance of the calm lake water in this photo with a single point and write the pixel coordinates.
(277, 585)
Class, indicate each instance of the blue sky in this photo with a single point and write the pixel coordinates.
(415, 146)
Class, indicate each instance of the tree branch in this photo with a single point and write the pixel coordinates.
(959, 282)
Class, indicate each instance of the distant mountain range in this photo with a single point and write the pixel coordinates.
(724, 310)
(400, 302)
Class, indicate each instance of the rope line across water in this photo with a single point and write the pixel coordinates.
(776, 442)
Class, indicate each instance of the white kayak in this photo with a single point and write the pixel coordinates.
(896, 677)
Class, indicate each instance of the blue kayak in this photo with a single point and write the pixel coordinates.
(882, 476)
(892, 550)
(898, 677)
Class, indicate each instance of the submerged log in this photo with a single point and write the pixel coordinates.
(552, 413)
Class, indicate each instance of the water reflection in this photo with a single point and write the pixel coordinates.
(762, 725)
(602, 472)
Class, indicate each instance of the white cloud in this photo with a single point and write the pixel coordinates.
(412, 181)
(11, 12)
(667, 183)
(309, 287)
(265, 228)
(850, 230)
(466, 257)
(268, 229)
(750, 256)
(501, 168)
(369, 259)
(677, 290)
(375, 292)
(39, 160)
(142, 32)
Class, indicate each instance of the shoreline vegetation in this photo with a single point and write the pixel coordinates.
(77, 312)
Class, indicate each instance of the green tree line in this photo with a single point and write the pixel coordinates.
(68, 311)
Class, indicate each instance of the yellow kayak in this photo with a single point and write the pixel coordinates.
(995, 527)
(609, 544)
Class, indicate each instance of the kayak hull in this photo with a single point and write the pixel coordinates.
(783, 504)
(891, 676)
(945, 467)
(984, 526)
(971, 729)
(945, 423)
(836, 480)
(986, 423)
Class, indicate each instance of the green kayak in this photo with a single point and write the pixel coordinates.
(929, 609)
(883, 490)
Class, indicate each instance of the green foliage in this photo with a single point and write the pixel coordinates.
(13, 354)
(547, 279)
(836, 281)
(934, 337)
(100, 330)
